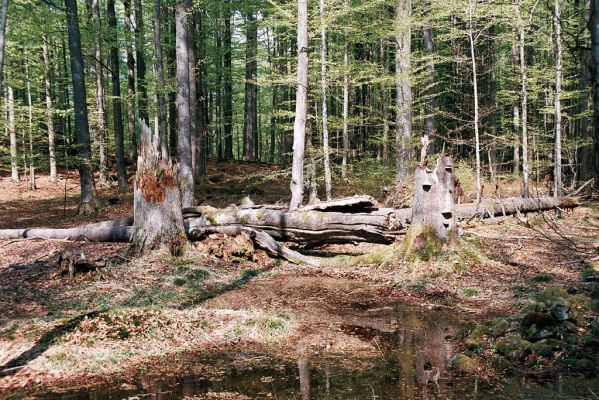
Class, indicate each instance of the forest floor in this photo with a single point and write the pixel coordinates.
(64, 332)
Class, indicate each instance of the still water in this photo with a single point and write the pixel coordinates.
(415, 349)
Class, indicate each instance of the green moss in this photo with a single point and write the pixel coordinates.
(552, 295)
(582, 301)
(513, 347)
(476, 340)
(421, 243)
(543, 278)
(542, 349)
(470, 292)
(463, 364)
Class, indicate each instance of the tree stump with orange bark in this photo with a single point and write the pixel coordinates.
(158, 220)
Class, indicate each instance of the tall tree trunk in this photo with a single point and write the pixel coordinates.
(345, 159)
(172, 96)
(186, 181)
(130, 81)
(301, 107)
(32, 185)
(117, 113)
(228, 89)
(88, 202)
(403, 119)
(49, 113)
(163, 132)
(201, 93)
(97, 72)
(193, 127)
(3, 19)
(140, 57)
(429, 105)
(557, 20)
(524, 102)
(250, 126)
(475, 89)
(12, 131)
(325, 118)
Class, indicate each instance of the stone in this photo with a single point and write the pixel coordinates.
(513, 347)
(499, 328)
(542, 349)
(463, 364)
(559, 312)
(476, 340)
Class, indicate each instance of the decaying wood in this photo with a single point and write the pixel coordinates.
(275, 249)
(376, 225)
(70, 263)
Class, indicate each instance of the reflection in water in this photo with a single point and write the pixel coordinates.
(416, 347)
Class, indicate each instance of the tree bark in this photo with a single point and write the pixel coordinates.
(403, 119)
(301, 107)
(32, 185)
(98, 73)
(524, 102)
(183, 123)
(475, 90)
(193, 126)
(3, 19)
(228, 88)
(142, 86)
(558, 186)
(162, 117)
(157, 202)
(88, 202)
(345, 159)
(117, 113)
(325, 117)
(49, 110)
(354, 219)
(12, 131)
(130, 81)
(429, 105)
(250, 126)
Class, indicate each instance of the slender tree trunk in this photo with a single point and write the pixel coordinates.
(32, 185)
(251, 89)
(183, 123)
(14, 165)
(172, 96)
(325, 117)
(88, 189)
(524, 104)
(475, 89)
(142, 86)
(3, 19)
(516, 124)
(558, 185)
(345, 159)
(97, 72)
(117, 113)
(130, 81)
(163, 133)
(49, 114)
(192, 59)
(301, 107)
(403, 121)
(429, 105)
(201, 92)
(228, 89)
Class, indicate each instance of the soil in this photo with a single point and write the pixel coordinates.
(62, 332)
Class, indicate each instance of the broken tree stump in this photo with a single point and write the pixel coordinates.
(158, 219)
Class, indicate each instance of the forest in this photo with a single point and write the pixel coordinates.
(315, 199)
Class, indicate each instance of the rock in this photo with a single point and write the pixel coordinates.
(463, 364)
(499, 328)
(476, 340)
(534, 334)
(566, 328)
(559, 312)
(542, 349)
(513, 347)
(539, 319)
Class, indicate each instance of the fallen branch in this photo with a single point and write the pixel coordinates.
(275, 249)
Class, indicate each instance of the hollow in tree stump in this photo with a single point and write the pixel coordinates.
(434, 220)
(158, 219)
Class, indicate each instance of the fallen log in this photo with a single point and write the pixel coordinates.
(360, 223)
(275, 249)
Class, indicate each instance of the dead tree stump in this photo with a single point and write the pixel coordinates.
(158, 219)
(434, 220)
